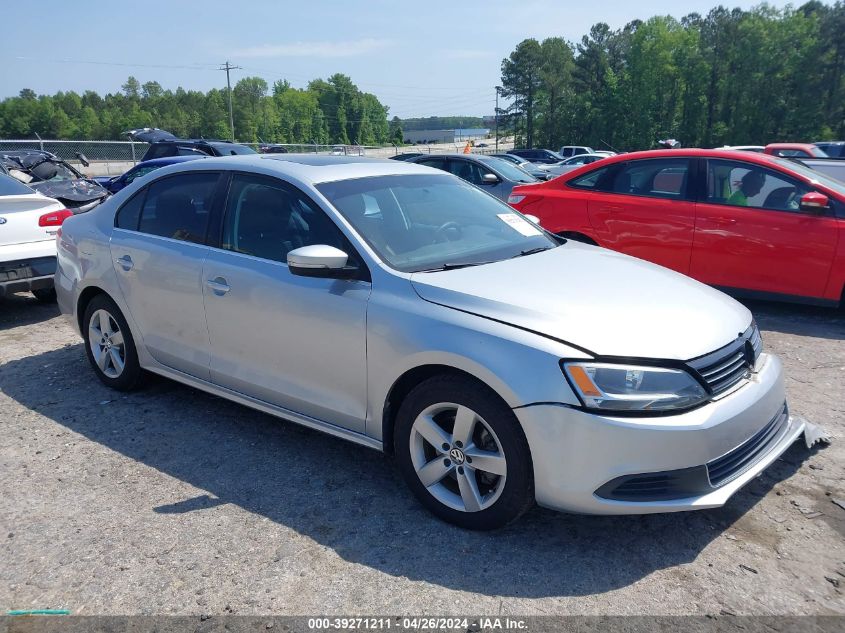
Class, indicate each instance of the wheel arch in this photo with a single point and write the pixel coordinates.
(85, 298)
(403, 386)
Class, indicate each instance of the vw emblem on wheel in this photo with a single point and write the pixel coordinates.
(457, 455)
(2, 220)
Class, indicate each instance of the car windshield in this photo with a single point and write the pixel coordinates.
(507, 169)
(228, 149)
(424, 222)
(816, 176)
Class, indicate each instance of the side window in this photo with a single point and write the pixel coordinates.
(437, 163)
(746, 185)
(160, 150)
(129, 214)
(187, 151)
(143, 171)
(660, 178)
(590, 180)
(178, 207)
(467, 170)
(267, 218)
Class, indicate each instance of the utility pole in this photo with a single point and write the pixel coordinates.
(227, 67)
(497, 119)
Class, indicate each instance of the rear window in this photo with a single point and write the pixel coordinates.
(231, 149)
(11, 187)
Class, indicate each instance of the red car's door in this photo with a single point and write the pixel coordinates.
(645, 212)
(751, 234)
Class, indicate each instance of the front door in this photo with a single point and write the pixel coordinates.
(295, 342)
(645, 212)
(751, 234)
(158, 248)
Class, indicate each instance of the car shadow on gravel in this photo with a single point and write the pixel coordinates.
(352, 500)
(798, 319)
(23, 309)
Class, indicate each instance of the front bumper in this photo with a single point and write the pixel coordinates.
(578, 456)
(25, 275)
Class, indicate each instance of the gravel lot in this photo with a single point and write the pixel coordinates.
(169, 500)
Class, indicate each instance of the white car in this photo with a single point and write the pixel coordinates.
(29, 222)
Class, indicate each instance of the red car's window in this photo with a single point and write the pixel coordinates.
(659, 178)
(745, 185)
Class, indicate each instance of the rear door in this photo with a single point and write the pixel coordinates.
(750, 233)
(646, 211)
(158, 248)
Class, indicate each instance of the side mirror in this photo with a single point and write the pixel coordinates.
(83, 159)
(319, 260)
(814, 202)
(490, 179)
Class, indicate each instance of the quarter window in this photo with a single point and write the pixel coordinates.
(745, 185)
(267, 218)
(178, 207)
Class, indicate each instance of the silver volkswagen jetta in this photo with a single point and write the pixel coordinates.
(401, 308)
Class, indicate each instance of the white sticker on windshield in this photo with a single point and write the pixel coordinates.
(520, 224)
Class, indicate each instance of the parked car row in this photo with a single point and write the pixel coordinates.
(402, 308)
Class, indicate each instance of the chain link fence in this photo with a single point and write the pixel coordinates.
(109, 158)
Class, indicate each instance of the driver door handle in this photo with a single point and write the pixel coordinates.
(218, 286)
(125, 262)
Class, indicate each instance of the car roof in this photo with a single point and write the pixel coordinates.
(313, 168)
(171, 160)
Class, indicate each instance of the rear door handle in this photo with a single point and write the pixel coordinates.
(125, 262)
(218, 286)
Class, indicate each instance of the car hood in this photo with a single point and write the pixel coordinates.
(605, 302)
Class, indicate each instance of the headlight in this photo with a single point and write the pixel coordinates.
(633, 388)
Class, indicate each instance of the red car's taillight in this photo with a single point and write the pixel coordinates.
(54, 218)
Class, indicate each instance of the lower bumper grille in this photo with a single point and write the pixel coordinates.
(740, 459)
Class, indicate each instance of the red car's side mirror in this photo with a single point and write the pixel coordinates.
(814, 202)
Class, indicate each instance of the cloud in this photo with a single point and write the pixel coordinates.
(350, 48)
(466, 53)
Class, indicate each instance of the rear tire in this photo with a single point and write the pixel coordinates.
(109, 345)
(462, 452)
(45, 295)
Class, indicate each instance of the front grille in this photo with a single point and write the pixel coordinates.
(740, 459)
(731, 364)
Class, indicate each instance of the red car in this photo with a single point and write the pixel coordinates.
(753, 224)
(794, 150)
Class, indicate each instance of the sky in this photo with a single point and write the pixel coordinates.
(420, 58)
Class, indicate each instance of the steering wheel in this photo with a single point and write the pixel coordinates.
(451, 224)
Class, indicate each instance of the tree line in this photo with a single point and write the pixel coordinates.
(327, 111)
(731, 77)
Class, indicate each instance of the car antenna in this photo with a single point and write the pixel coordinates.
(612, 149)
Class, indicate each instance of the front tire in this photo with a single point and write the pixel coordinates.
(463, 454)
(109, 345)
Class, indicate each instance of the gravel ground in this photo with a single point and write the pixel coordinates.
(172, 501)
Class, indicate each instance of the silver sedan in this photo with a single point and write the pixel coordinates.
(401, 308)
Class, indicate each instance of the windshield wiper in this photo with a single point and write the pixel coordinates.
(531, 251)
(453, 266)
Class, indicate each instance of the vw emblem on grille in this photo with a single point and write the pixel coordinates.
(2, 220)
(457, 456)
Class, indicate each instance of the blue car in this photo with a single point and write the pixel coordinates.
(116, 183)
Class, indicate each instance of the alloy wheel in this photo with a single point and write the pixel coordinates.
(457, 457)
(106, 342)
